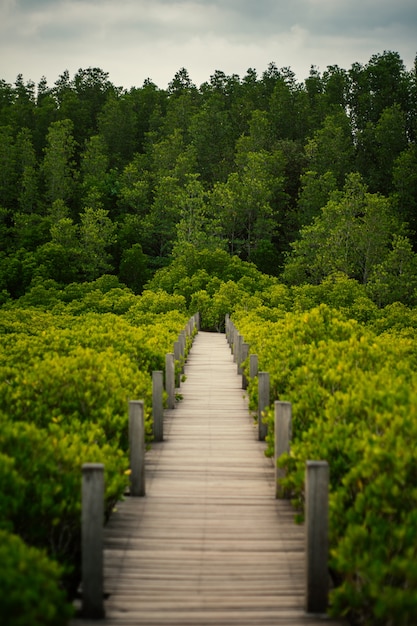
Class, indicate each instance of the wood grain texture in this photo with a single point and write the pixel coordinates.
(209, 544)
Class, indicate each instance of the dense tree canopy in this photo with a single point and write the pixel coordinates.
(95, 178)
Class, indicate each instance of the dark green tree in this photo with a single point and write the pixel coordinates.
(8, 170)
(117, 126)
(352, 235)
(95, 179)
(331, 148)
(133, 270)
(211, 134)
(59, 167)
(405, 189)
(27, 171)
(97, 235)
(378, 145)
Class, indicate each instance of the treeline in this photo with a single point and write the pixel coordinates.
(97, 179)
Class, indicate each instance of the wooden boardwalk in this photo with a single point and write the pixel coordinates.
(209, 544)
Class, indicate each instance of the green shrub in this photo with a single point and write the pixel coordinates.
(66, 376)
(353, 390)
(46, 466)
(30, 586)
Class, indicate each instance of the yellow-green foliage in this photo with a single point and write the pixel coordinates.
(30, 586)
(353, 388)
(66, 375)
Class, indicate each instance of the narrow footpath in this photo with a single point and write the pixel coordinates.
(208, 544)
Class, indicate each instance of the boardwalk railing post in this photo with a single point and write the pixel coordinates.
(283, 425)
(197, 320)
(263, 402)
(227, 326)
(253, 365)
(170, 379)
(244, 353)
(158, 405)
(236, 346)
(177, 359)
(239, 355)
(317, 513)
(230, 334)
(234, 342)
(233, 334)
(92, 520)
(137, 447)
(183, 344)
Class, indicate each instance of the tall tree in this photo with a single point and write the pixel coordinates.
(159, 226)
(335, 87)
(6, 103)
(195, 226)
(352, 234)
(212, 136)
(58, 167)
(315, 192)
(24, 104)
(117, 126)
(395, 278)
(149, 106)
(8, 173)
(405, 189)
(382, 83)
(378, 145)
(289, 108)
(94, 171)
(331, 147)
(46, 112)
(135, 187)
(82, 98)
(182, 104)
(97, 234)
(27, 172)
(252, 216)
(316, 100)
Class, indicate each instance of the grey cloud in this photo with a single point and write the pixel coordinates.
(160, 36)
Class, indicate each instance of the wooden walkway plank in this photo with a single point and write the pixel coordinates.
(209, 544)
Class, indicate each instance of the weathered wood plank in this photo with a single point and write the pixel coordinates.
(209, 544)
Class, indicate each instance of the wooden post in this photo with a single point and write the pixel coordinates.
(197, 320)
(230, 335)
(233, 333)
(92, 520)
(158, 405)
(170, 379)
(263, 402)
(137, 447)
(283, 423)
(183, 345)
(317, 513)
(233, 341)
(177, 359)
(240, 355)
(253, 365)
(244, 352)
(236, 347)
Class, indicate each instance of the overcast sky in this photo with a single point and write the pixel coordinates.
(137, 39)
